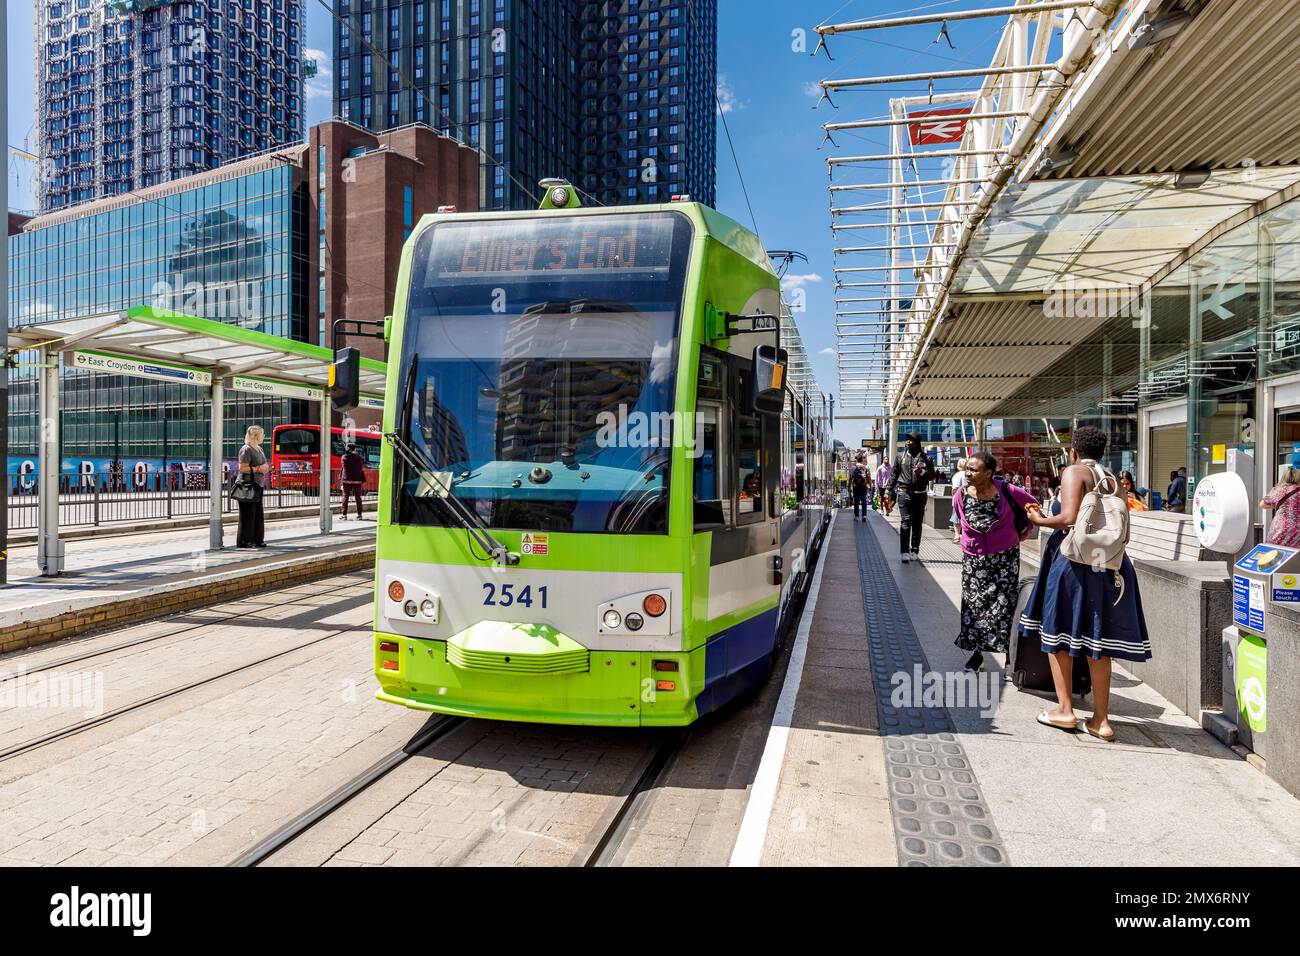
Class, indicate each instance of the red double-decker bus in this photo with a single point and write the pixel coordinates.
(295, 456)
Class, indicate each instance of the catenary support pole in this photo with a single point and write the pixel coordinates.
(216, 445)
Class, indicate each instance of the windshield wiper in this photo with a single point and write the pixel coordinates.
(415, 460)
(576, 306)
(467, 517)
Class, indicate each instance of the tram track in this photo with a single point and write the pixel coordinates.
(90, 654)
(285, 834)
(108, 716)
(621, 823)
(600, 849)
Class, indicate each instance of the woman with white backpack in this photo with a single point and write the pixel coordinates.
(1085, 602)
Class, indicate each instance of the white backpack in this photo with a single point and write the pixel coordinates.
(1100, 530)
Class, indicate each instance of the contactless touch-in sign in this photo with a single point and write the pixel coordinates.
(140, 368)
(266, 386)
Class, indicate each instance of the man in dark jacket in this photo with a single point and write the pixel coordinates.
(858, 487)
(909, 486)
(1176, 497)
(353, 479)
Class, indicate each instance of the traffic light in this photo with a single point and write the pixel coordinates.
(345, 379)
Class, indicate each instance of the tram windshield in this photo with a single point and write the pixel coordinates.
(538, 366)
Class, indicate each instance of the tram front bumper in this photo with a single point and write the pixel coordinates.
(533, 673)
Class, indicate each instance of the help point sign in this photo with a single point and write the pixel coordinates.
(1221, 512)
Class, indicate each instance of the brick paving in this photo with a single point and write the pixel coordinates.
(141, 797)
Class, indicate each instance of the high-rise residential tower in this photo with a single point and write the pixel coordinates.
(135, 93)
(616, 96)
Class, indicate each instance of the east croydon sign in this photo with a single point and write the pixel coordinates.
(140, 368)
(265, 386)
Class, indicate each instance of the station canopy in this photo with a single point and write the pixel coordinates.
(1105, 232)
(180, 343)
(1052, 237)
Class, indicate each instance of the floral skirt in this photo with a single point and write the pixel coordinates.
(989, 585)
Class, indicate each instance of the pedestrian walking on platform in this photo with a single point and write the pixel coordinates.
(882, 484)
(909, 488)
(354, 478)
(252, 469)
(1284, 500)
(993, 518)
(859, 486)
(1078, 610)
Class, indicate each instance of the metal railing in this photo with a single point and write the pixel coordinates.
(94, 500)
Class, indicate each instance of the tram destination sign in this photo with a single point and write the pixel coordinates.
(590, 244)
(140, 368)
(370, 401)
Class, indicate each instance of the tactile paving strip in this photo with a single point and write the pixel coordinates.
(940, 816)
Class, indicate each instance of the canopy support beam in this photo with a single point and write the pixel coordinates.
(49, 550)
(216, 445)
(326, 453)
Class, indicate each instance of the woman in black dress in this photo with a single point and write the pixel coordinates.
(990, 561)
(252, 469)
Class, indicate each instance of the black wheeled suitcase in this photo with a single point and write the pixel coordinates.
(1027, 665)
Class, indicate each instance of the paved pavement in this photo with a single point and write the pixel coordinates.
(1166, 793)
(868, 779)
(142, 788)
(110, 568)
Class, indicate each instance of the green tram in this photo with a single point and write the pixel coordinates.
(599, 496)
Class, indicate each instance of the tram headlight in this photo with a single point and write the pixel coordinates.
(611, 619)
(428, 608)
(634, 621)
(410, 609)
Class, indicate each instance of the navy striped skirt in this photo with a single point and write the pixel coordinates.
(1085, 612)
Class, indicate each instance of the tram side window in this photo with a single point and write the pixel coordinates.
(749, 447)
(712, 498)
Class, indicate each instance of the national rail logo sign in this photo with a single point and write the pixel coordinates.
(947, 126)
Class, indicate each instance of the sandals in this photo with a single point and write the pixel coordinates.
(1047, 721)
(1105, 738)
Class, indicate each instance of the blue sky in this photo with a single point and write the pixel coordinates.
(767, 83)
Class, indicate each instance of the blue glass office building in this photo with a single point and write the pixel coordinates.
(228, 245)
(134, 93)
(617, 97)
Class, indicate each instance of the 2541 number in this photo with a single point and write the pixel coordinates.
(505, 595)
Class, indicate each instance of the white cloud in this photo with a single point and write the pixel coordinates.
(320, 86)
(727, 101)
(812, 89)
(797, 281)
(827, 351)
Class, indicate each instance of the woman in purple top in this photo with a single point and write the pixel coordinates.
(990, 562)
(1284, 499)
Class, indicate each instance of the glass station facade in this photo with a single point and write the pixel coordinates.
(226, 248)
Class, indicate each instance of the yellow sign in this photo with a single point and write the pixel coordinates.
(534, 543)
(1218, 454)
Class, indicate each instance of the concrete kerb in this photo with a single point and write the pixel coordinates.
(45, 623)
